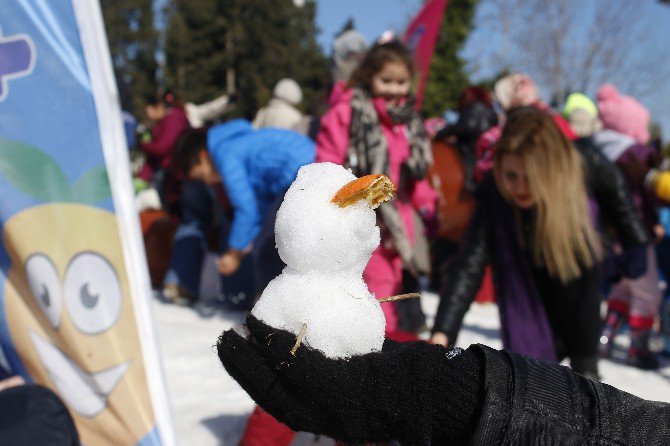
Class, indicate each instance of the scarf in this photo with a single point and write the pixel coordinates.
(524, 325)
(368, 154)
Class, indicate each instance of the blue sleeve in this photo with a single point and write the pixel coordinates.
(300, 151)
(246, 217)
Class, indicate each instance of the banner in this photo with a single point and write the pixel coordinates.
(420, 38)
(74, 286)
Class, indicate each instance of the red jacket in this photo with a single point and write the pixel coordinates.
(164, 136)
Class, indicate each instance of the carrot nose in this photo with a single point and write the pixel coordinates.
(375, 189)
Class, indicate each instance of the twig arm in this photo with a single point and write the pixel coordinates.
(298, 341)
(400, 297)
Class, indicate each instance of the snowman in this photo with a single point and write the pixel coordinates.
(325, 233)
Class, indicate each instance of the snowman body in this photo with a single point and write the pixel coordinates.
(325, 248)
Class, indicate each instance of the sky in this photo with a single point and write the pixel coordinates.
(373, 17)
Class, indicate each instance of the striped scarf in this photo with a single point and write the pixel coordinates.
(368, 154)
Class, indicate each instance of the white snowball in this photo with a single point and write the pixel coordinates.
(343, 319)
(326, 249)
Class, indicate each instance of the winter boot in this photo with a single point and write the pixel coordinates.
(639, 354)
(613, 323)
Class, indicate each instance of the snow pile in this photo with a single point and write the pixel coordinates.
(325, 248)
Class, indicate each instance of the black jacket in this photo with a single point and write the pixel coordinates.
(463, 275)
(532, 402)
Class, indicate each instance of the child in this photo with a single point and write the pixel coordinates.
(169, 121)
(256, 167)
(374, 128)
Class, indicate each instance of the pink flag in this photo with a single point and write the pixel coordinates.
(420, 37)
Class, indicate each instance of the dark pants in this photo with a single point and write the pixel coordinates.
(202, 215)
(573, 310)
(267, 263)
(198, 215)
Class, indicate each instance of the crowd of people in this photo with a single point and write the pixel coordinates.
(570, 208)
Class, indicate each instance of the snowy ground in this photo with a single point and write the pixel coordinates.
(209, 408)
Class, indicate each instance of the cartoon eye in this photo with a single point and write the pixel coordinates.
(92, 293)
(44, 283)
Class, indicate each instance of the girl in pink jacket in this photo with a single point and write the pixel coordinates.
(374, 128)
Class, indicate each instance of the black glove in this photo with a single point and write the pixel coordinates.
(416, 393)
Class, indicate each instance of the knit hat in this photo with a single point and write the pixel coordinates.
(582, 114)
(348, 43)
(347, 51)
(516, 90)
(623, 114)
(579, 100)
(288, 90)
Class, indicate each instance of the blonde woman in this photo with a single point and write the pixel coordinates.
(535, 224)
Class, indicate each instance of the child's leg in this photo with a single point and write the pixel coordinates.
(190, 240)
(646, 298)
(618, 309)
(646, 294)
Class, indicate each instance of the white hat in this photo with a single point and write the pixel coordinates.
(288, 90)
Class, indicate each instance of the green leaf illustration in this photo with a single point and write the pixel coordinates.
(33, 172)
(92, 186)
(36, 174)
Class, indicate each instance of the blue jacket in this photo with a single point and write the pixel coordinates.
(256, 166)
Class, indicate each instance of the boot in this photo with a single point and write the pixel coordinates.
(639, 354)
(613, 323)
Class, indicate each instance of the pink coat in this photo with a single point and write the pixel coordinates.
(383, 273)
(332, 145)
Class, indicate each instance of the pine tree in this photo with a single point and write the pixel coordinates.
(132, 42)
(195, 49)
(447, 76)
(259, 42)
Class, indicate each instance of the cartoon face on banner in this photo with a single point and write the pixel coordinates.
(68, 307)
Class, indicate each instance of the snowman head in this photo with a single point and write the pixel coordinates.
(315, 234)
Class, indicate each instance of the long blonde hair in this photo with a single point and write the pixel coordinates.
(564, 238)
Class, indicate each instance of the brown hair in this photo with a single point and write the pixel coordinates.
(564, 238)
(187, 150)
(379, 55)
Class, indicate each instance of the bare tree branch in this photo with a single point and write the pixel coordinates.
(569, 45)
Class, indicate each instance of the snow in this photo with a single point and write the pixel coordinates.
(209, 408)
(325, 248)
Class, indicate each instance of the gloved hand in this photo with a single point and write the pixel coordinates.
(416, 393)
